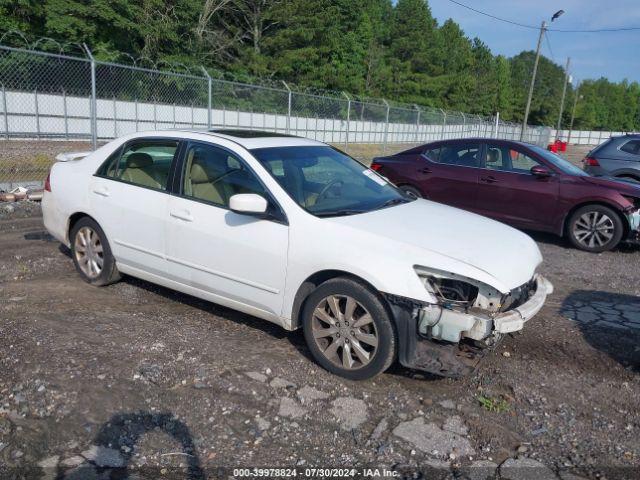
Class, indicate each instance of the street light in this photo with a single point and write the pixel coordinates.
(543, 28)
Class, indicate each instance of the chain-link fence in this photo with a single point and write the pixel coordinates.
(57, 97)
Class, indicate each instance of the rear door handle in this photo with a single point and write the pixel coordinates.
(424, 170)
(489, 179)
(182, 215)
(102, 191)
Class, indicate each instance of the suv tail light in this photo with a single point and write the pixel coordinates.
(376, 167)
(47, 182)
(591, 162)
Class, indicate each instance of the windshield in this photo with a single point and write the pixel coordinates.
(564, 165)
(327, 182)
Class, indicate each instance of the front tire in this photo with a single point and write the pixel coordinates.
(92, 254)
(595, 228)
(349, 330)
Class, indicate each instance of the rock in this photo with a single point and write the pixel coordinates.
(16, 454)
(282, 383)
(449, 404)
(263, 424)
(506, 354)
(525, 469)
(310, 394)
(379, 430)
(48, 465)
(72, 461)
(350, 412)
(479, 470)
(428, 437)
(456, 425)
(83, 472)
(259, 377)
(103, 456)
(290, 408)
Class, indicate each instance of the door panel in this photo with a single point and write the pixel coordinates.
(448, 174)
(129, 199)
(508, 192)
(238, 257)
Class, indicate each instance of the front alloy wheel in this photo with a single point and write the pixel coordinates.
(344, 332)
(595, 228)
(348, 329)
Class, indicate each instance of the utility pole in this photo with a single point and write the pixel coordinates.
(573, 111)
(543, 28)
(564, 93)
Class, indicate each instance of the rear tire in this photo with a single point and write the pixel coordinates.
(349, 330)
(91, 253)
(413, 192)
(595, 228)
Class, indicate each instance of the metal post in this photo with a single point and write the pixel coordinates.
(174, 115)
(93, 104)
(65, 113)
(6, 114)
(115, 119)
(495, 135)
(346, 137)
(288, 107)
(417, 121)
(35, 97)
(543, 28)
(155, 115)
(386, 128)
(192, 120)
(136, 105)
(464, 123)
(208, 96)
(444, 123)
(573, 110)
(564, 93)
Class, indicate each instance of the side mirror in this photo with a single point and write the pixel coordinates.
(540, 171)
(248, 203)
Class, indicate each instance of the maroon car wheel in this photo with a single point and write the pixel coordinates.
(595, 228)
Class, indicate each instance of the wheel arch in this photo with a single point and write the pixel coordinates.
(73, 219)
(313, 281)
(612, 206)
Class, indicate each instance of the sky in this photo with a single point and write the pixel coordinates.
(593, 55)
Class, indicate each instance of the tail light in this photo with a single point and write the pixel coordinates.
(47, 183)
(376, 167)
(590, 162)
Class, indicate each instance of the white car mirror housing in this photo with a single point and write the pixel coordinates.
(248, 203)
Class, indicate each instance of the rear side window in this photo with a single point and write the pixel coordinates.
(143, 163)
(464, 155)
(632, 146)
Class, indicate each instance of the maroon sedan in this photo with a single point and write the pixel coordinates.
(520, 184)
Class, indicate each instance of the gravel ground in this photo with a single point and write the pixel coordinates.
(101, 382)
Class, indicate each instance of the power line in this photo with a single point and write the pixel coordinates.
(597, 30)
(546, 36)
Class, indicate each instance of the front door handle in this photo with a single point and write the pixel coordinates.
(102, 191)
(182, 215)
(489, 179)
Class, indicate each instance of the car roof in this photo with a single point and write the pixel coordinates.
(252, 139)
(454, 141)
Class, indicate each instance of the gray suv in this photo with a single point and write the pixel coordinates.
(617, 157)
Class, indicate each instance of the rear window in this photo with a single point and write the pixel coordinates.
(632, 146)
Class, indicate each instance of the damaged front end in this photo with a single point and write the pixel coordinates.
(451, 336)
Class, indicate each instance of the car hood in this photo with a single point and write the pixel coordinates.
(437, 236)
(622, 186)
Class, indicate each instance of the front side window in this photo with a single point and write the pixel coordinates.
(214, 175)
(464, 155)
(327, 182)
(143, 163)
(507, 159)
(632, 146)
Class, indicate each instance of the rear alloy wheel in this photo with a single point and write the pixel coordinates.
(595, 228)
(348, 329)
(92, 254)
(411, 191)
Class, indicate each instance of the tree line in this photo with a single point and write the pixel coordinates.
(373, 48)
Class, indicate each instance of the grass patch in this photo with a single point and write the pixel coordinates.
(499, 405)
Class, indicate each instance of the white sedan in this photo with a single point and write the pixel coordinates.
(298, 233)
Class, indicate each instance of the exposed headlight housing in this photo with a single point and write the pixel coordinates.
(458, 292)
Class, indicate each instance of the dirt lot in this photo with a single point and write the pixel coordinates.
(102, 382)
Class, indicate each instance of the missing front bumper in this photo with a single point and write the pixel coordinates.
(455, 342)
